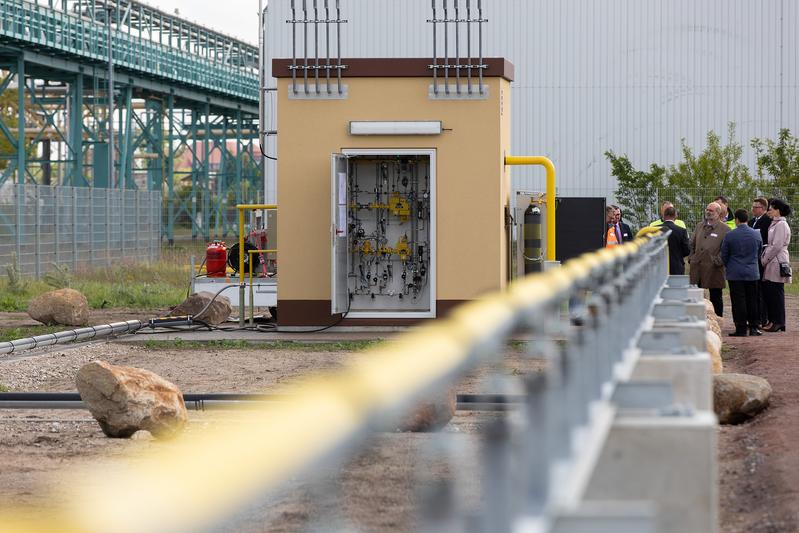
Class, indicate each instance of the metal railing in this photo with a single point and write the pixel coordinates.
(44, 227)
(26, 22)
(199, 482)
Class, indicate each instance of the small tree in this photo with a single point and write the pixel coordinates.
(636, 190)
(717, 170)
(778, 163)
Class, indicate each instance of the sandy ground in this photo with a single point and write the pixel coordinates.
(758, 464)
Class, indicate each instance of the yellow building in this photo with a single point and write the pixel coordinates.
(392, 197)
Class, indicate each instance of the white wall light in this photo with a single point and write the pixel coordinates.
(395, 128)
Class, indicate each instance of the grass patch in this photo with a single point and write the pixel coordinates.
(180, 344)
(12, 334)
(154, 285)
(3, 388)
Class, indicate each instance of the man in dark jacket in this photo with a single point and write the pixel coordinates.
(740, 251)
(626, 233)
(761, 221)
(679, 247)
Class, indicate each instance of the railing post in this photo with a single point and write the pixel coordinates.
(74, 229)
(38, 237)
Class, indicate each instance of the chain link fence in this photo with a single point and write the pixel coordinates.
(44, 227)
(691, 203)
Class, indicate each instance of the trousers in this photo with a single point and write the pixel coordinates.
(718, 303)
(745, 308)
(774, 294)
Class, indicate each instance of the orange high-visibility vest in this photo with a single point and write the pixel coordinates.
(611, 237)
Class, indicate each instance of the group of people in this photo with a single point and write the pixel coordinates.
(749, 252)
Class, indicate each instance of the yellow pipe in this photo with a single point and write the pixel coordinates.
(547, 164)
(242, 208)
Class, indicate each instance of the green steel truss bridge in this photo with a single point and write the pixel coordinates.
(184, 114)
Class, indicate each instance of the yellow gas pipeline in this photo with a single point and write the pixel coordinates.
(550, 168)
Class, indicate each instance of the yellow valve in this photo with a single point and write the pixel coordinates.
(366, 247)
(400, 207)
(375, 205)
(385, 250)
(402, 249)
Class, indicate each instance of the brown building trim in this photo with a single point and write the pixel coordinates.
(316, 313)
(402, 67)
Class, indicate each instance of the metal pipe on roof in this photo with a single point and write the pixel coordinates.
(327, 42)
(293, 47)
(469, 45)
(305, 44)
(446, 49)
(435, 51)
(480, 42)
(338, 47)
(316, 43)
(457, 48)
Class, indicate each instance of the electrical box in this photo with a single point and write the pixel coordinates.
(383, 231)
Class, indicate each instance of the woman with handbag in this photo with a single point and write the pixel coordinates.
(776, 264)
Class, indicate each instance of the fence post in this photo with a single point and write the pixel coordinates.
(74, 229)
(122, 222)
(38, 236)
(91, 224)
(18, 221)
(107, 193)
(137, 225)
(56, 225)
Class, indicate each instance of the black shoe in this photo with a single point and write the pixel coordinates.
(754, 332)
(774, 328)
(738, 333)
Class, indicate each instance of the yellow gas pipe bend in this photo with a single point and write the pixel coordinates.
(550, 168)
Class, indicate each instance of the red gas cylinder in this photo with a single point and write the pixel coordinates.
(216, 259)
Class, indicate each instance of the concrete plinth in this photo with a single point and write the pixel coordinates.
(690, 377)
(668, 460)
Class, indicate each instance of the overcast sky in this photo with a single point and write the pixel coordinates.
(237, 18)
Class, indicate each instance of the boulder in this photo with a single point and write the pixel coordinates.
(739, 397)
(125, 400)
(216, 313)
(66, 307)
(711, 318)
(432, 414)
(713, 343)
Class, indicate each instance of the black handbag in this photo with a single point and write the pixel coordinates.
(785, 270)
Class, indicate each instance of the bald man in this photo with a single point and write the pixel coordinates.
(707, 267)
(659, 222)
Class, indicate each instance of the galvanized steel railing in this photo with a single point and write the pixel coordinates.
(200, 481)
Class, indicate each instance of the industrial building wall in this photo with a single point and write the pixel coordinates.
(633, 76)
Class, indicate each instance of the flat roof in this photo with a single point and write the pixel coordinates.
(395, 67)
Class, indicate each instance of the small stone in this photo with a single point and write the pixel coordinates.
(66, 307)
(739, 397)
(432, 414)
(217, 312)
(125, 400)
(143, 435)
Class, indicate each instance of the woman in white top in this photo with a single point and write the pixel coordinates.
(774, 254)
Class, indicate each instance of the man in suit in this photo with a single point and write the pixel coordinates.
(623, 229)
(707, 268)
(679, 246)
(760, 221)
(740, 251)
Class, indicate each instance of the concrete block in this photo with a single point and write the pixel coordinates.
(667, 460)
(692, 334)
(606, 517)
(678, 310)
(678, 281)
(690, 377)
(678, 339)
(682, 294)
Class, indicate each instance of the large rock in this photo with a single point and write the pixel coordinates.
(216, 313)
(711, 318)
(432, 414)
(66, 307)
(125, 400)
(713, 343)
(739, 397)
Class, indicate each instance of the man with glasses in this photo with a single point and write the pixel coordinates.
(761, 222)
(707, 267)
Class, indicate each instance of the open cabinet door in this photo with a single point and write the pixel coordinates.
(339, 233)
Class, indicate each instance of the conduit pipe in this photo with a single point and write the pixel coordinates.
(550, 202)
(63, 337)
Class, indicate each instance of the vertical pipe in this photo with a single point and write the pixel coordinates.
(194, 169)
(293, 47)
(241, 267)
(316, 43)
(207, 174)
(21, 162)
(110, 102)
(305, 44)
(435, 51)
(327, 38)
(457, 48)
(170, 172)
(446, 49)
(480, 43)
(338, 47)
(469, 45)
(261, 74)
